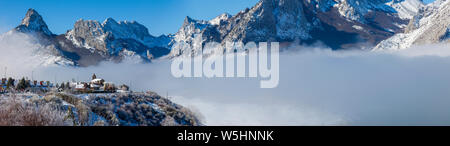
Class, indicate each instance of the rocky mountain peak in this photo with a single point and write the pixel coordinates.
(308, 21)
(33, 22)
(189, 28)
(268, 20)
(188, 20)
(109, 20)
(220, 18)
(117, 39)
(126, 29)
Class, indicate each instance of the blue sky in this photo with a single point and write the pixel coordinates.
(159, 16)
(428, 1)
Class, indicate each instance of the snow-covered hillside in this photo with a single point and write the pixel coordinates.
(406, 9)
(115, 109)
(431, 25)
(357, 9)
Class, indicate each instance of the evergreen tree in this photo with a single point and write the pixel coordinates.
(23, 84)
(10, 83)
(62, 86)
(68, 85)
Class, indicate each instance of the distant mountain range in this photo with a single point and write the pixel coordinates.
(339, 24)
(90, 42)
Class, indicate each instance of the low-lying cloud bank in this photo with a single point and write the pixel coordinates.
(317, 87)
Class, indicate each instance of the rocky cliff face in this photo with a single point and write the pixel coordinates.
(112, 38)
(34, 30)
(270, 20)
(406, 9)
(339, 24)
(91, 42)
(431, 25)
(33, 22)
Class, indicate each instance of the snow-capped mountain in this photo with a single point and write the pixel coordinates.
(112, 37)
(34, 33)
(431, 25)
(193, 33)
(220, 18)
(91, 42)
(33, 23)
(339, 24)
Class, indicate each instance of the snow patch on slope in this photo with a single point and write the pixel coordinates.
(425, 28)
(406, 9)
(356, 9)
(220, 18)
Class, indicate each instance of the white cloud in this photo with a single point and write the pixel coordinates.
(17, 54)
(21, 54)
(439, 50)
